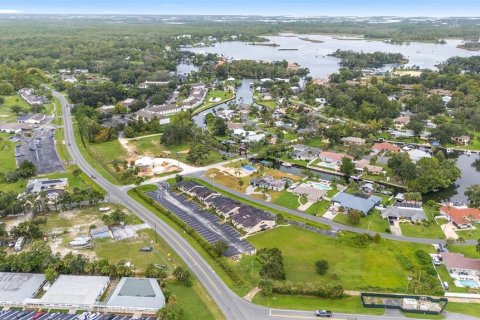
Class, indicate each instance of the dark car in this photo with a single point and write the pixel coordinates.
(146, 249)
(323, 313)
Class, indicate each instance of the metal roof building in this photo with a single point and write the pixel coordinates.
(15, 288)
(75, 290)
(137, 293)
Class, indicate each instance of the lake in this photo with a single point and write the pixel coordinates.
(244, 95)
(314, 55)
(470, 167)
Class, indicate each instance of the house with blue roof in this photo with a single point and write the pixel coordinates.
(364, 204)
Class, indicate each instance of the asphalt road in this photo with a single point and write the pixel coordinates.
(232, 306)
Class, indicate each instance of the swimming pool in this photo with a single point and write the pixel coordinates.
(248, 168)
(329, 165)
(469, 283)
(320, 186)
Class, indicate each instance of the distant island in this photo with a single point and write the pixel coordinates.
(359, 60)
(287, 49)
(470, 45)
(263, 44)
(311, 40)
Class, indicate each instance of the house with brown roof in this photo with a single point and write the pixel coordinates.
(461, 217)
(401, 121)
(463, 140)
(364, 165)
(333, 157)
(350, 141)
(252, 220)
(457, 264)
(385, 146)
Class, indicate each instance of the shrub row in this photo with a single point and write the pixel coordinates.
(334, 291)
(203, 243)
(426, 262)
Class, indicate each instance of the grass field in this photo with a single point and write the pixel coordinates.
(373, 221)
(373, 267)
(151, 146)
(421, 230)
(467, 251)
(318, 208)
(7, 154)
(284, 199)
(346, 305)
(6, 114)
(470, 234)
(472, 309)
(212, 94)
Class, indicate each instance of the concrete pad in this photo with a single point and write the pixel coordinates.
(449, 230)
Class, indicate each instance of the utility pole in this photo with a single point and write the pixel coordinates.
(155, 232)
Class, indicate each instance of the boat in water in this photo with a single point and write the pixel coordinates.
(286, 164)
(468, 153)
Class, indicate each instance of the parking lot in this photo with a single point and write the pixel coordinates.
(29, 315)
(40, 150)
(209, 226)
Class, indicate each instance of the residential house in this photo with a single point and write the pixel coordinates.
(385, 146)
(311, 193)
(457, 264)
(269, 183)
(31, 118)
(414, 214)
(251, 220)
(13, 127)
(106, 109)
(361, 203)
(147, 115)
(307, 153)
(69, 78)
(333, 157)
(187, 185)
(364, 165)
(417, 154)
(233, 126)
(401, 121)
(28, 94)
(349, 141)
(223, 205)
(202, 193)
(127, 102)
(254, 138)
(461, 217)
(44, 184)
(146, 84)
(463, 140)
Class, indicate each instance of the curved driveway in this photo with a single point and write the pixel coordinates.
(232, 306)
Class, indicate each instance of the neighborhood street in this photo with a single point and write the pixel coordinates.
(231, 305)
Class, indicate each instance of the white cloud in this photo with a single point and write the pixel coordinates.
(8, 11)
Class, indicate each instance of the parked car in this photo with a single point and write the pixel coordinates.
(323, 313)
(38, 315)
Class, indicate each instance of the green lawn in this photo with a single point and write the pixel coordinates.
(345, 305)
(421, 230)
(374, 267)
(318, 208)
(472, 309)
(470, 234)
(193, 302)
(7, 154)
(315, 142)
(372, 222)
(6, 114)
(467, 251)
(285, 199)
(151, 146)
(207, 104)
(445, 276)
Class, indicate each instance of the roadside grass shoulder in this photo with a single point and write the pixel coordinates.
(84, 150)
(471, 309)
(344, 305)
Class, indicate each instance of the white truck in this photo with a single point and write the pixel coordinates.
(19, 244)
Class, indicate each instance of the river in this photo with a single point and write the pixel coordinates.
(314, 55)
(244, 95)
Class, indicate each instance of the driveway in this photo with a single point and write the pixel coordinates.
(449, 230)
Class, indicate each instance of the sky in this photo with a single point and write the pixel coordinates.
(431, 8)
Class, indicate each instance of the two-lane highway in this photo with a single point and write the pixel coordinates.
(232, 306)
